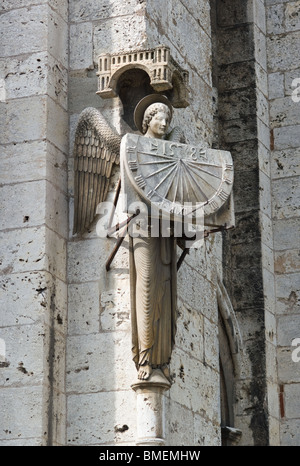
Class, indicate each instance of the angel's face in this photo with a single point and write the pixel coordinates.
(159, 124)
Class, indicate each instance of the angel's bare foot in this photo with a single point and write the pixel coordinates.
(144, 372)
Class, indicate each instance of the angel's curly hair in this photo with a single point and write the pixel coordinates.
(152, 110)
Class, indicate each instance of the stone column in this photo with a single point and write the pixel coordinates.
(150, 409)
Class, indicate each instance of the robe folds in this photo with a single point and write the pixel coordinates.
(153, 278)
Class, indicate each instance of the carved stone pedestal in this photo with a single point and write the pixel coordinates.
(150, 409)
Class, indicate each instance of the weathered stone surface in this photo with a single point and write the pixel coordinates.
(94, 424)
(288, 370)
(287, 137)
(175, 434)
(288, 293)
(288, 329)
(27, 402)
(286, 198)
(276, 85)
(25, 32)
(81, 51)
(292, 409)
(285, 163)
(290, 432)
(282, 51)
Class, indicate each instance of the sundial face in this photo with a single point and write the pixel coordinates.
(178, 178)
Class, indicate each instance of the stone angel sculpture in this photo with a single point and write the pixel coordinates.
(152, 260)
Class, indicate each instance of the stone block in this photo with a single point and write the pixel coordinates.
(292, 16)
(81, 47)
(90, 356)
(287, 137)
(91, 420)
(23, 366)
(22, 250)
(288, 293)
(285, 163)
(32, 161)
(211, 344)
(61, 6)
(25, 75)
(57, 126)
(291, 397)
(231, 13)
(276, 85)
(288, 370)
(263, 132)
(261, 79)
(24, 119)
(236, 103)
(286, 234)
(88, 10)
(286, 198)
(275, 18)
(21, 209)
(206, 432)
(199, 11)
(179, 424)
(290, 432)
(25, 32)
(260, 47)
(194, 384)
(265, 195)
(262, 111)
(292, 84)
(245, 190)
(236, 75)
(115, 304)
(284, 112)
(82, 92)
(240, 130)
(274, 431)
(83, 308)
(264, 159)
(287, 261)
(288, 329)
(283, 51)
(28, 403)
(58, 38)
(266, 230)
(129, 34)
(236, 47)
(269, 289)
(189, 336)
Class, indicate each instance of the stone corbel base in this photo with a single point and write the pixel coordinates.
(150, 409)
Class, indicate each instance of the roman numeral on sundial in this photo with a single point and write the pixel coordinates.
(140, 181)
(133, 164)
(222, 195)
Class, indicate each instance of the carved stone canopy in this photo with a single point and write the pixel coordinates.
(164, 73)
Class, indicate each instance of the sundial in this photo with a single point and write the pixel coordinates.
(177, 178)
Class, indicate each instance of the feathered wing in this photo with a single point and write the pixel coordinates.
(96, 151)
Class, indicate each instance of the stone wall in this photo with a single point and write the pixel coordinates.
(283, 41)
(34, 220)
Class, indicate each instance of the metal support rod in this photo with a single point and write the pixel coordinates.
(182, 257)
(117, 227)
(120, 240)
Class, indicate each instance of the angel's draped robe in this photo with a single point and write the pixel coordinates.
(153, 299)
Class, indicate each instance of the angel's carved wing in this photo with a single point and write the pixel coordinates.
(96, 151)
